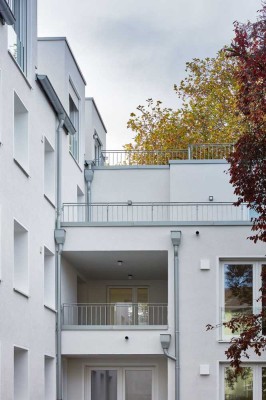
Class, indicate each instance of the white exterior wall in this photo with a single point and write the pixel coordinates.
(57, 62)
(93, 122)
(24, 321)
(136, 184)
(195, 181)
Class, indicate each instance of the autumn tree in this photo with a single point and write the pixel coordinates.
(248, 173)
(208, 111)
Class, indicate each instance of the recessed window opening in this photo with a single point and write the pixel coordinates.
(74, 139)
(249, 386)
(49, 171)
(49, 381)
(21, 384)
(49, 278)
(97, 149)
(241, 281)
(21, 273)
(17, 34)
(21, 151)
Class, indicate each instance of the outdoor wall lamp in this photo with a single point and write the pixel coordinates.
(119, 262)
(210, 198)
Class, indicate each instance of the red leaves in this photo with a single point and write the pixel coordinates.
(251, 338)
(248, 161)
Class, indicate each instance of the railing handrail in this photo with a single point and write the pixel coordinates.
(203, 145)
(126, 157)
(144, 203)
(117, 303)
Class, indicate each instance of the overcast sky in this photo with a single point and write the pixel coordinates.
(130, 50)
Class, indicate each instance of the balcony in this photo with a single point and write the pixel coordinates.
(153, 214)
(114, 316)
(109, 158)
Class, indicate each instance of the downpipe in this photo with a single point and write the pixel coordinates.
(176, 239)
(59, 239)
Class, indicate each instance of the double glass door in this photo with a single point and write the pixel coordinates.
(128, 305)
(119, 384)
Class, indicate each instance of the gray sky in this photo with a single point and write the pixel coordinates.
(130, 50)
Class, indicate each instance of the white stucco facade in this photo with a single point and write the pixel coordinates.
(110, 283)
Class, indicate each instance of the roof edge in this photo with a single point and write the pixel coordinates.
(63, 39)
(97, 110)
(55, 102)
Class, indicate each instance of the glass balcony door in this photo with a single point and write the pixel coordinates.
(123, 383)
(129, 305)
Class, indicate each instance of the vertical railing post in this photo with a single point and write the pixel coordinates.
(189, 152)
(107, 213)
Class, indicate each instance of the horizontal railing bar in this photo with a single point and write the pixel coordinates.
(155, 203)
(154, 212)
(109, 314)
(202, 151)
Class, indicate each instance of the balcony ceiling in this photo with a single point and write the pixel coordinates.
(103, 265)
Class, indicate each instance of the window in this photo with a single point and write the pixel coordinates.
(129, 306)
(124, 383)
(17, 34)
(49, 171)
(0, 243)
(81, 208)
(1, 107)
(49, 278)
(21, 279)
(97, 149)
(21, 376)
(49, 381)
(252, 386)
(21, 151)
(241, 282)
(74, 117)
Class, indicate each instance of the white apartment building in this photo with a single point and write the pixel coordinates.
(111, 264)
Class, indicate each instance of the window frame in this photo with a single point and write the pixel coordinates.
(19, 31)
(121, 374)
(256, 381)
(256, 285)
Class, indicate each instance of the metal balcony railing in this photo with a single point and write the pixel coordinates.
(162, 157)
(114, 314)
(153, 212)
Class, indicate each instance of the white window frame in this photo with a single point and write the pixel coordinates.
(257, 379)
(49, 299)
(256, 285)
(121, 372)
(49, 171)
(21, 275)
(74, 140)
(18, 34)
(21, 134)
